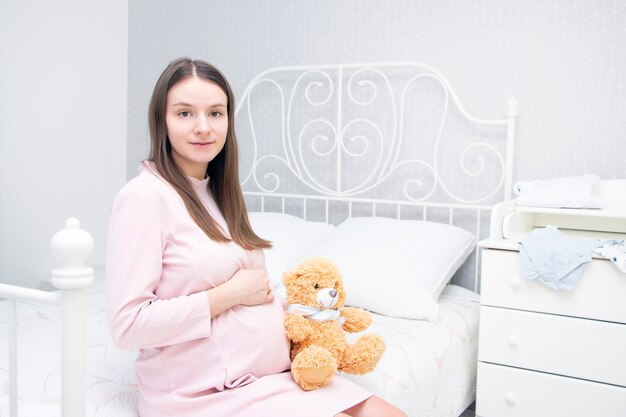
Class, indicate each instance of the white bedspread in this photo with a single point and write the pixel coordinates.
(428, 370)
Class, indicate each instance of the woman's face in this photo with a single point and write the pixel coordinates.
(197, 123)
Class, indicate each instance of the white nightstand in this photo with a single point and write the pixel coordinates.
(546, 353)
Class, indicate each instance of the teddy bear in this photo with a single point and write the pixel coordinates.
(316, 322)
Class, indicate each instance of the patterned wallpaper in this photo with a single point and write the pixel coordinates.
(564, 61)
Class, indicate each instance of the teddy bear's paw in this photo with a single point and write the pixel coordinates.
(363, 356)
(297, 327)
(318, 376)
(313, 367)
(357, 319)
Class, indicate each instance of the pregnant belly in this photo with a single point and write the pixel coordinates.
(246, 343)
(253, 342)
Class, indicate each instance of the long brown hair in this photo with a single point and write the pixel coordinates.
(223, 169)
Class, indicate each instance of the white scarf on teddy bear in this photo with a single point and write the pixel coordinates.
(316, 314)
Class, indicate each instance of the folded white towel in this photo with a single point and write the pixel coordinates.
(565, 192)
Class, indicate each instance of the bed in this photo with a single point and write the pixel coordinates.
(343, 156)
(110, 377)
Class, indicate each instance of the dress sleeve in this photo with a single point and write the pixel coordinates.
(136, 317)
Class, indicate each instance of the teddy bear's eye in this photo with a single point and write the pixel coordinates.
(317, 287)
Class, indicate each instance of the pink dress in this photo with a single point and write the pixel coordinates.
(159, 262)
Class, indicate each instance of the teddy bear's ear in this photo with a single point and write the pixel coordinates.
(290, 276)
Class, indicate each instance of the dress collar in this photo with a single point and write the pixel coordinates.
(195, 183)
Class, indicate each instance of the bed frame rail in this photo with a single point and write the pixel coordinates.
(446, 213)
(71, 245)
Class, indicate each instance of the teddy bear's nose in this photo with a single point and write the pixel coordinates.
(332, 293)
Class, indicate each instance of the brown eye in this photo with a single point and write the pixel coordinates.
(317, 287)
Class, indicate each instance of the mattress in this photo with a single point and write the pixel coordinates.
(428, 369)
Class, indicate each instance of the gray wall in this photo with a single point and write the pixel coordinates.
(565, 61)
(62, 126)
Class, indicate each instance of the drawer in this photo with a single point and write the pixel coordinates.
(562, 345)
(599, 293)
(510, 392)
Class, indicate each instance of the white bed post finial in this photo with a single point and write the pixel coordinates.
(72, 246)
(511, 115)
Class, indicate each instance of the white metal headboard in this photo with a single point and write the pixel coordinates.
(335, 136)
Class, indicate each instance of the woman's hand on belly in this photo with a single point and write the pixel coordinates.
(252, 285)
(246, 287)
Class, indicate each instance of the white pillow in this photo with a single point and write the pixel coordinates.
(454, 292)
(395, 267)
(566, 192)
(290, 237)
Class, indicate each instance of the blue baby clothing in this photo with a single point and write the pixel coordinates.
(554, 259)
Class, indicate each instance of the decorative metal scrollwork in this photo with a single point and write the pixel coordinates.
(342, 134)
